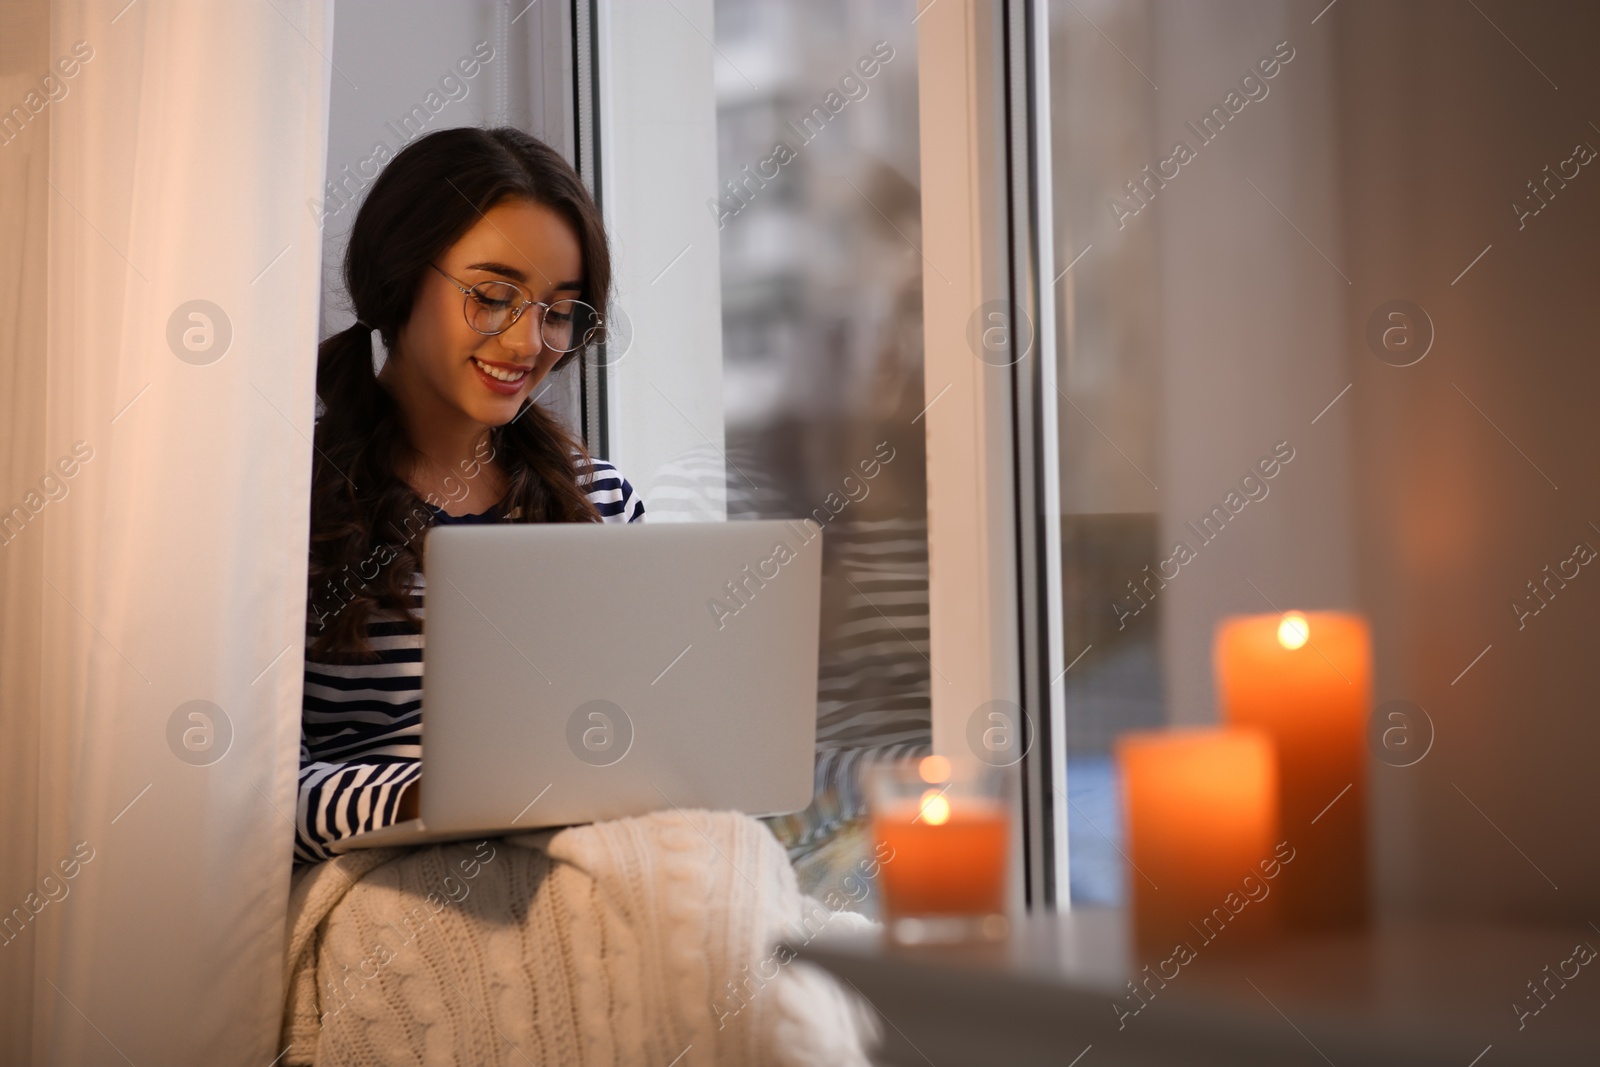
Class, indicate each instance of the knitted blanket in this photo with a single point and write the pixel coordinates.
(646, 941)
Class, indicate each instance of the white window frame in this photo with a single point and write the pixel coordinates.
(994, 514)
(656, 114)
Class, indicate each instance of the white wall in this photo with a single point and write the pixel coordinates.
(1443, 124)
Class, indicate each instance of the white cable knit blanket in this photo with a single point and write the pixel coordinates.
(647, 941)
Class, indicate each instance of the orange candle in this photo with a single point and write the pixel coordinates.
(1306, 680)
(953, 866)
(943, 842)
(1200, 809)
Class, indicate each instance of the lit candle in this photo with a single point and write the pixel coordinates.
(1305, 679)
(943, 844)
(1200, 809)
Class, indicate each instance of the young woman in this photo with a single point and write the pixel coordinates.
(480, 258)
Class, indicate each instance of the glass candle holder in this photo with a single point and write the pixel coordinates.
(943, 836)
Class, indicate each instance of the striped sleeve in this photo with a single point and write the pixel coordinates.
(610, 492)
(338, 800)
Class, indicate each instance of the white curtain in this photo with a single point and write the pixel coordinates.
(157, 389)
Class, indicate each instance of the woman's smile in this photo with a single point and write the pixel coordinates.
(505, 379)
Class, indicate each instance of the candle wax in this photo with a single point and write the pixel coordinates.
(1306, 681)
(1201, 822)
(953, 867)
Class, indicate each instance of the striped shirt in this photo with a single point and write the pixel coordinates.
(361, 725)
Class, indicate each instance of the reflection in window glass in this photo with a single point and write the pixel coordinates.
(1102, 119)
(819, 213)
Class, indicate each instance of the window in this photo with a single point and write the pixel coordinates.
(761, 176)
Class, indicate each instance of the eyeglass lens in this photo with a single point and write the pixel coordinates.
(567, 324)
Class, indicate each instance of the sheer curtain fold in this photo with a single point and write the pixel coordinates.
(159, 601)
(24, 47)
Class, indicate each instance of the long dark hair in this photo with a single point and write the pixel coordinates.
(366, 520)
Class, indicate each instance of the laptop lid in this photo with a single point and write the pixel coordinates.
(582, 671)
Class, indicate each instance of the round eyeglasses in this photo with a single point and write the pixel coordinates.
(493, 307)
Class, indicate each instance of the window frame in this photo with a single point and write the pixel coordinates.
(995, 568)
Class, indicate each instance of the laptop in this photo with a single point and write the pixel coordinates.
(576, 672)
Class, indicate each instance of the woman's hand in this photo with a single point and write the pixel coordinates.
(410, 801)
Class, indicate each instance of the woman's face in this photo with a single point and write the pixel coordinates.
(441, 357)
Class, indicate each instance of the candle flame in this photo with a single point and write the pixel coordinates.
(935, 808)
(1293, 631)
(934, 769)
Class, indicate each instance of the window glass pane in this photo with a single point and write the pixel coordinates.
(1107, 369)
(821, 281)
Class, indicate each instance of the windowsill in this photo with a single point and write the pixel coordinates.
(1403, 994)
